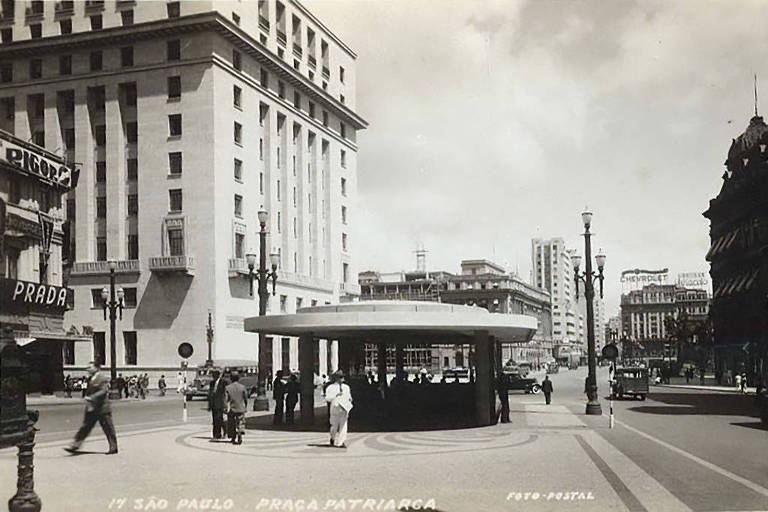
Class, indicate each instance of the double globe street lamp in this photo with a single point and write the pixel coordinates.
(114, 303)
(588, 278)
(262, 275)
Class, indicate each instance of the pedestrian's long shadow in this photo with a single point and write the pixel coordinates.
(718, 404)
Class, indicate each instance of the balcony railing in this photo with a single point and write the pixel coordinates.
(94, 4)
(93, 268)
(312, 61)
(281, 38)
(64, 7)
(297, 50)
(182, 264)
(237, 266)
(34, 11)
(263, 23)
(304, 281)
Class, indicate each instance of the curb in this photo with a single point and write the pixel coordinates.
(707, 388)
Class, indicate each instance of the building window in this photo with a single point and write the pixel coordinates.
(261, 149)
(126, 56)
(174, 87)
(264, 78)
(238, 206)
(343, 158)
(99, 353)
(344, 245)
(174, 9)
(132, 132)
(311, 110)
(97, 22)
(295, 229)
(175, 199)
(294, 196)
(278, 190)
(128, 92)
(341, 99)
(101, 248)
(129, 340)
(133, 247)
(6, 35)
(239, 245)
(237, 60)
(133, 204)
(344, 214)
(325, 118)
(96, 60)
(68, 351)
(69, 138)
(236, 18)
(341, 74)
(36, 68)
(174, 49)
(36, 30)
(281, 90)
(263, 113)
(238, 169)
(283, 304)
(176, 242)
(261, 183)
(101, 172)
(101, 207)
(174, 125)
(343, 186)
(127, 17)
(296, 99)
(343, 130)
(6, 72)
(65, 26)
(237, 97)
(65, 65)
(238, 133)
(279, 223)
(100, 135)
(133, 169)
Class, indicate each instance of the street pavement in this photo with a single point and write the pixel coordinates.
(681, 449)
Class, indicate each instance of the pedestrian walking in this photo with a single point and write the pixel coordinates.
(502, 388)
(738, 381)
(701, 376)
(339, 396)
(68, 385)
(278, 393)
(237, 404)
(179, 382)
(546, 387)
(144, 386)
(217, 403)
(83, 385)
(743, 382)
(97, 409)
(269, 381)
(161, 385)
(291, 399)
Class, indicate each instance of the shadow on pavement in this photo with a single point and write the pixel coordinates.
(718, 404)
(752, 424)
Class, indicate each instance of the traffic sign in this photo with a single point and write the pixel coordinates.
(610, 351)
(185, 350)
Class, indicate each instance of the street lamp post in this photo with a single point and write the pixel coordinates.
(209, 339)
(589, 277)
(114, 305)
(261, 403)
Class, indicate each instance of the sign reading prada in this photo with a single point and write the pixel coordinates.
(25, 296)
(33, 160)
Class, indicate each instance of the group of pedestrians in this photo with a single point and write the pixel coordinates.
(227, 394)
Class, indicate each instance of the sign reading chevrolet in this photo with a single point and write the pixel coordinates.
(35, 161)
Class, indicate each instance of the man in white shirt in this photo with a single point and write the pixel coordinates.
(339, 396)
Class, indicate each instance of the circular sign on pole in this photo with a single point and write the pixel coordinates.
(185, 350)
(610, 351)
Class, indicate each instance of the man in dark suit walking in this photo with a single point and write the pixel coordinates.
(217, 401)
(97, 408)
(546, 387)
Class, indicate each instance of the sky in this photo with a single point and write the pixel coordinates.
(493, 122)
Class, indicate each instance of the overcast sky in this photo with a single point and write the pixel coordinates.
(493, 122)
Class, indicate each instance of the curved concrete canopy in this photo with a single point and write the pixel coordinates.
(359, 320)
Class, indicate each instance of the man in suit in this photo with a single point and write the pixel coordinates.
(278, 392)
(546, 387)
(216, 402)
(237, 400)
(97, 408)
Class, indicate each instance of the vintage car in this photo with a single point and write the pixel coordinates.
(516, 381)
(201, 383)
(631, 381)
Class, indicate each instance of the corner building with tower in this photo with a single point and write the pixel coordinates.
(185, 119)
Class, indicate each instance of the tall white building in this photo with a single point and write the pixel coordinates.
(187, 118)
(553, 271)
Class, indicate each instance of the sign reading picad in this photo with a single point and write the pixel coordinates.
(35, 161)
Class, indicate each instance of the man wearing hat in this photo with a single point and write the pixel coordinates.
(339, 396)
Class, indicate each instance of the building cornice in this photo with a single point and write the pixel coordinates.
(210, 21)
(320, 24)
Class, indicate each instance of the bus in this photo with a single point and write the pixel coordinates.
(201, 383)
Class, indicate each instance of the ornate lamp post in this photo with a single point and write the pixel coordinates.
(113, 304)
(589, 277)
(209, 339)
(261, 403)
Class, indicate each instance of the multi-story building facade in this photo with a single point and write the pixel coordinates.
(646, 313)
(186, 119)
(481, 283)
(552, 270)
(32, 234)
(737, 255)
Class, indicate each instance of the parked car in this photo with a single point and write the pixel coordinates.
(631, 381)
(553, 368)
(516, 381)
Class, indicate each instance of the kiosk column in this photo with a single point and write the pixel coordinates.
(307, 379)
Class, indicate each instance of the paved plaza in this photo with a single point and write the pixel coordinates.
(548, 458)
